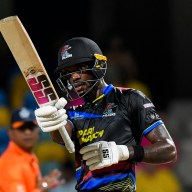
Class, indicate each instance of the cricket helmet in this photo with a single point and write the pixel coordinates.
(78, 51)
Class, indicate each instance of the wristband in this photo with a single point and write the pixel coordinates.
(138, 153)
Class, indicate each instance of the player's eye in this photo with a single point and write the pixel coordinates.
(83, 67)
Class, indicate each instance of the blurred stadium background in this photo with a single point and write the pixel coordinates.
(148, 45)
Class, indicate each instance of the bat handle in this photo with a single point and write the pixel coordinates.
(67, 140)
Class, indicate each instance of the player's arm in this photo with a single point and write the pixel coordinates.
(56, 136)
(161, 150)
(103, 154)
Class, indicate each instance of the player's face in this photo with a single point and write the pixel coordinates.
(79, 78)
(25, 137)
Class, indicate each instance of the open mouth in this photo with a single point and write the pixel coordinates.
(28, 139)
(79, 90)
(78, 86)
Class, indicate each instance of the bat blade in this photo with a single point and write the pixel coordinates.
(31, 66)
(28, 60)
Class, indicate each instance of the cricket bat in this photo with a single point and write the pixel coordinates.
(31, 66)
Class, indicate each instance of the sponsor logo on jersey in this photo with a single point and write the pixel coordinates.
(88, 135)
(154, 116)
(108, 111)
(147, 105)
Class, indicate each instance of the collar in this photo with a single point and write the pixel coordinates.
(105, 91)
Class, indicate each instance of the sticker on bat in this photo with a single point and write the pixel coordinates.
(40, 86)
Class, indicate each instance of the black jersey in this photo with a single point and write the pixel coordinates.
(120, 115)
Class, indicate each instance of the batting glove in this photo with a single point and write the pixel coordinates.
(104, 154)
(51, 118)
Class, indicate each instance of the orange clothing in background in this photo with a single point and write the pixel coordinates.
(19, 171)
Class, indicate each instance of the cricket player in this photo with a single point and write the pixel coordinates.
(108, 123)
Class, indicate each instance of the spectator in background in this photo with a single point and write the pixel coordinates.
(19, 166)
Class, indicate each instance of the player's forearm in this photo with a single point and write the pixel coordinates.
(56, 136)
(159, 152)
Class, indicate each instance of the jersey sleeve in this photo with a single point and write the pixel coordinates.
(145, 116)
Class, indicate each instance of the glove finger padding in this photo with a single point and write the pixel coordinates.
(90, 154)
(98, 166)
(91, 147)
(61, 119)
(61, 103)
(93, 160)
(51, 118)
(56, 115)
(105, 154)
(53, 128)
(45, 111)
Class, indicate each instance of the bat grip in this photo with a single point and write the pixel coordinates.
(67, 140)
